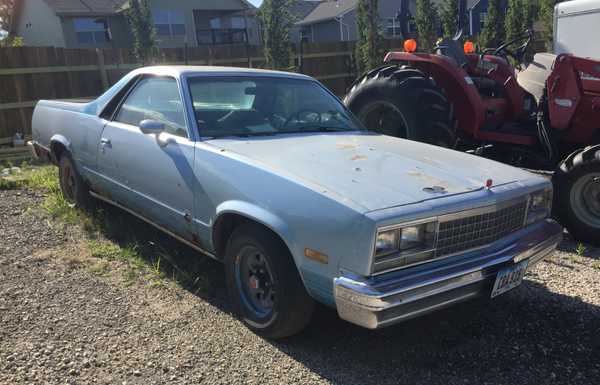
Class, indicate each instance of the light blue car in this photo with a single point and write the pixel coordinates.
(269, 173)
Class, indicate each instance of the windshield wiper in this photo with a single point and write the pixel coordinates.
(323, 129)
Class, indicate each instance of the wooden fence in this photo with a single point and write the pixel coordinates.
(28, 74)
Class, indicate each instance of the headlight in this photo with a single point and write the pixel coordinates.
(404, 245)
(540, 206)
(387, 242)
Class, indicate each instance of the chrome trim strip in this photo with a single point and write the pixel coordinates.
(148, 221)
(427, 309)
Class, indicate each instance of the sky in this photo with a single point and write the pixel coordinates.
(256, 2)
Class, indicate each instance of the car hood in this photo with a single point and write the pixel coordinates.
(370, 170)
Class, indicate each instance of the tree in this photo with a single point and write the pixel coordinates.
(449, 17)
(546, 17)
(368, 47)
(493, 31)
(142, 27)
(7, 38)
(276, 20)
(426, 19)
(514, 20)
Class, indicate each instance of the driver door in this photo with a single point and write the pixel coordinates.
(151, 174)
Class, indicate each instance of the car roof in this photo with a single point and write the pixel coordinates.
(179, 70)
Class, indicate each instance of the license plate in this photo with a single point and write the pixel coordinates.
(509, 278)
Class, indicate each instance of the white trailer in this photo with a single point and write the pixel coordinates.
(576, 27)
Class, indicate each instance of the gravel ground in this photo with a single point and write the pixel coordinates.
(61, 323)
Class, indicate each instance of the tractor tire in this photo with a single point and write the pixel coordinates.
(577, 194)
(405, 103)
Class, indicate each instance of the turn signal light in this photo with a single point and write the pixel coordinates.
(410, 45)
(469, 47)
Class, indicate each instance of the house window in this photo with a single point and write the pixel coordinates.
(306, 34)
(392, 28)
(169, 23)
(412, 25)
(91, 31)
(215, 23)
(482, 19)
(238, 23)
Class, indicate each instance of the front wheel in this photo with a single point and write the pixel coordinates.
(577, 194)
(264, 284)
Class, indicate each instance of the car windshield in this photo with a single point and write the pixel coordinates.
(253, 106)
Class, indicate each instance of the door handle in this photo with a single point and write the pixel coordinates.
(105, 141)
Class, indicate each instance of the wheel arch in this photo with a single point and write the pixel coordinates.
(58, 146)
(232, 214)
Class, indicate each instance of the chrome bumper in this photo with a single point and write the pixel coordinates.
(397, 296)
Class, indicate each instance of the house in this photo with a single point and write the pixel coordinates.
(299, 10)
(103, 24)
(477, 15)
(335, 20)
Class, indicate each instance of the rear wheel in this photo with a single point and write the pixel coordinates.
(577, 194)
(72, 185)
(264, 284)
(405, 103)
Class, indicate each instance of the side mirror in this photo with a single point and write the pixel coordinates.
(149, 126)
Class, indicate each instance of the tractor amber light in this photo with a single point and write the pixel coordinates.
(410, 45)
(469, 47)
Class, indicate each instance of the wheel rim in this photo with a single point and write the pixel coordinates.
(255, 282)
(385, 118)
(585, 199)
(68, 182)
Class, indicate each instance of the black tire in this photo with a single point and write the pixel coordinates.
(292, 307)
(72, 185)
(405, 103)
(577, 194)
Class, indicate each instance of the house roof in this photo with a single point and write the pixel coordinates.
(328, 10)
(301, 8)
(85, 7)
(98, 7)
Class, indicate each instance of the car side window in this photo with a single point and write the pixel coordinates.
(155, 98)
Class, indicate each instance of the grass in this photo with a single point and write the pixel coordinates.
(110, 236)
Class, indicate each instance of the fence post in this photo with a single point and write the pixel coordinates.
(102, 69)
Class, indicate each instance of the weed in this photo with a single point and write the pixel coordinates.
(596, 264)
(100, 268)
(580, 249)
(104, 250)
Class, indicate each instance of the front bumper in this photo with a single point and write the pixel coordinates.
(397, 296)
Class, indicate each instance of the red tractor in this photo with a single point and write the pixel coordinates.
(546, 116)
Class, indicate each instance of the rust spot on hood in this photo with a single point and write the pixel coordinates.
(358, 157)
(345, 146)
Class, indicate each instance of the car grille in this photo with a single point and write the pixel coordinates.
(466, 233)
